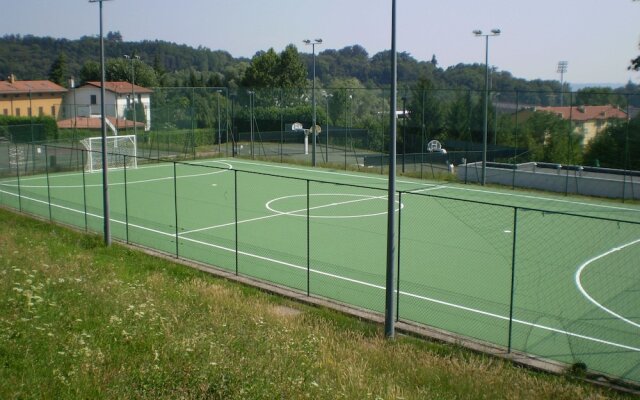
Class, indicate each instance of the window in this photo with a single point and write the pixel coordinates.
(94, 99)
(6, 111)
(29, 111)
(17, 112)
(40, 111)
(53, 111)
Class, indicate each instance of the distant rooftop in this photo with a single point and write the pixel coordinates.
(586, 113)
(14, 86)
(122, 87)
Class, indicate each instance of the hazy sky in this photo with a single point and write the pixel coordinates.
(597, 37)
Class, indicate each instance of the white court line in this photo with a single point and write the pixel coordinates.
(280, 213)
(591, 299)
(365, 176)
(358, 282)
(116, 183)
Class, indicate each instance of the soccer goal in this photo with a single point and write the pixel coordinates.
(121, 152)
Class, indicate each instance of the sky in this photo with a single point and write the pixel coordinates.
(597, 38)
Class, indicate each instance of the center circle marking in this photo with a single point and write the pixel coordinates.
(302, 212)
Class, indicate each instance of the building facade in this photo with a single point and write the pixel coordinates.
(30, 98)
(588, 121)
(84, 101)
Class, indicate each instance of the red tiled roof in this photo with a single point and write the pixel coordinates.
(121, 87)
(96, 123)
(586, 113)
(21, 87)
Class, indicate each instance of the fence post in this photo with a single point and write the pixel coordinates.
(513, 276)
(515, 146)
(626, 158)
(308, 245)
(46, 168)
(175, 204)
(126, 202)
(84, 192)
(17, 176)
(235, 199)
(398, 262)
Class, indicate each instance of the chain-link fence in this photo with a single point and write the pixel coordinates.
(555, 283)
(524, 138)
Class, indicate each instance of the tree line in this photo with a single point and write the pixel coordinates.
(168, 64)
(444, 103)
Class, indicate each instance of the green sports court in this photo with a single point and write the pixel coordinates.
(554, 277)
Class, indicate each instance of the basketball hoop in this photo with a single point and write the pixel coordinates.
(434, 145)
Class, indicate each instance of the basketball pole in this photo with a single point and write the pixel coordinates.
(389, 328)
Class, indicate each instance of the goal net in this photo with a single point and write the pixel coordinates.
(121, 152)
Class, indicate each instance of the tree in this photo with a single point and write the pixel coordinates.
(427, 117)
(635, 63)
(458, 117)
(290, 69)
(595, 96)
(90, 71)
(262, 71)
(58, 71)
(616, 147)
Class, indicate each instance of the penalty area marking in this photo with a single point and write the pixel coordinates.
(164, 178)
(301, 212)
(586, 294)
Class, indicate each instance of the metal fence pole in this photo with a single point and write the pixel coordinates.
(513, 276)
(308, 245)
(46, 168)
(515, 145)
(84, 192)
(626, 158)
(235, 199)
(175, 204)
(398, 262)
(126, 202)
(18, 177)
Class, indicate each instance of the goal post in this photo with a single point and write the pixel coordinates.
(121, 152)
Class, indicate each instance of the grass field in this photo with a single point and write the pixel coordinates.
(550, 276)
(79, 320)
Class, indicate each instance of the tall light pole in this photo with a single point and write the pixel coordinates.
(313, 97)
(133, 93)
(105, 181)
(562, 68)
(494, 32)
(389, 323)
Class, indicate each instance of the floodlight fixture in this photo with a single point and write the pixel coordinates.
(562, 69)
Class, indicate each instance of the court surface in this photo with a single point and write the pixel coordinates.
(552, 276)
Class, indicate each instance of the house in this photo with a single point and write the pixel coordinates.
(588, 120)
(30, 98)
(84, 102)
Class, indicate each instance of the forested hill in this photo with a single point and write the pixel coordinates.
(30, 57)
